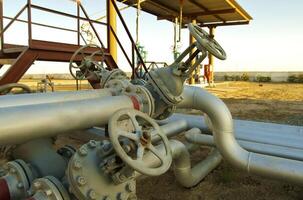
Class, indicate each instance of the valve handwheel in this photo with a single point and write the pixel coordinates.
(88, 63)
(144, 128)
(204, 39)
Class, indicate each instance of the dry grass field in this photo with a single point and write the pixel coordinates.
(270, 102)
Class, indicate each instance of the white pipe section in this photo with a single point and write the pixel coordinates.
(222, 122)
(272, 150)
(53, 97)
(185, 174)
(172, 129)
(265, 133)
(23, 123)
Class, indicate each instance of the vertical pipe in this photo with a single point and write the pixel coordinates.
(191, 41)
(112, 26)
(78, 25)
(133, 62)
(1, 25)
(29, 16)
(211, 58)
(137, 21)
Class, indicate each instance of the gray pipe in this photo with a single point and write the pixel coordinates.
(40, 154)
(22, 123)
(222, 122)
(185, 174)
(172, 129)
(260, 132)
(41, 98)
(267, 149)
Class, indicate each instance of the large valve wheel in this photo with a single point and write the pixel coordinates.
(143, 129)
(6, 89)
(89, 63)
(204, 39)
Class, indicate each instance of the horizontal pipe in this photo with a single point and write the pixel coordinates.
(265, 133)
(223, 130)
(54, 97)
(22, 123)
(39, 154)
(172, 129)
(272, 150)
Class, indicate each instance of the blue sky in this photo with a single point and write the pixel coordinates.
(272, 42)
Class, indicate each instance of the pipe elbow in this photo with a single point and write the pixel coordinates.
(221, 122)
(184, 173)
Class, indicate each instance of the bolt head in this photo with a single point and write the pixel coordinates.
(20, 185)
(131, 187)
(83, 151)
(12, 170)
(92, 195)
(37, 185)
(77, 164)
(81, 181)
(48, 192)
(122, 196)
(122, 177)
(92, 144)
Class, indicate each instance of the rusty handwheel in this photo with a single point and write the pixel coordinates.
(89, 62)
(141, 133)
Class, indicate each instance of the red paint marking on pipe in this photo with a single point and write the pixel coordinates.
(135, 102)
(4, 190)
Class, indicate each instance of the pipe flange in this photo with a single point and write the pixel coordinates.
(162, 89)
(119, 85)
(142, 94)
(146, 99)
(48, 188)
(166, 113)
(106, 76)
(87, 179)
(19, 177)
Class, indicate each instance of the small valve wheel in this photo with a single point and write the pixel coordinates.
(206, 41)
(144, 128)
(82, 62)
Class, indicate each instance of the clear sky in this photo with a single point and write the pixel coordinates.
(272, 42)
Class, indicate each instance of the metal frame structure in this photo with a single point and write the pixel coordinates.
(24, 56)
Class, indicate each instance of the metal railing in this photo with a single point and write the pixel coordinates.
(29, 6)
(134, 50)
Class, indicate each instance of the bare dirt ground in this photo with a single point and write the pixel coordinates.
(279, 103)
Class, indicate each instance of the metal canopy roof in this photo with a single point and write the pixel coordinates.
(206, 12)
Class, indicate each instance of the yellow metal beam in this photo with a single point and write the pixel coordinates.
(113, 23)
(238, 10)
(191, 41)
(211, 58)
